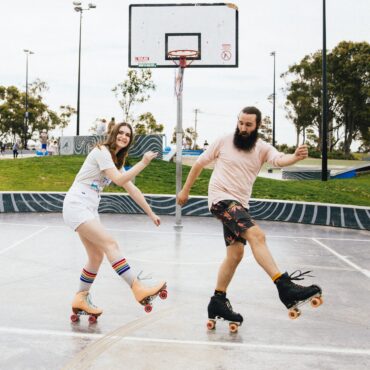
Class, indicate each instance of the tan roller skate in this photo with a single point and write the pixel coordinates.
(145, 295)
(82, 305)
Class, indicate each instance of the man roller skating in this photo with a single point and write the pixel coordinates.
(238, 159)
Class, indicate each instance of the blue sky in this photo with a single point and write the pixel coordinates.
(293, 28)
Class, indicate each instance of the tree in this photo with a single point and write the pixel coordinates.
(11, 112)
(265, 129)
(351, 85)
(173, 140)
(301, 109)
(12, 108)
(135, 89)
(66, 112)
(303, 105)
(188, 136)
(37, 88)
(348, 74)
(147, 125)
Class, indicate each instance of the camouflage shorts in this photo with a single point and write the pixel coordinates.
(235, 219)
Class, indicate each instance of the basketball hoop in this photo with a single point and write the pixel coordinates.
(183, 58)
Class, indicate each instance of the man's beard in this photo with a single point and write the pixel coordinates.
(245, 142)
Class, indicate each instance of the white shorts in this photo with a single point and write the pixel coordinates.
(80, 204)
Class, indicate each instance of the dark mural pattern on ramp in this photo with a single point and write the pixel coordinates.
(354, 217)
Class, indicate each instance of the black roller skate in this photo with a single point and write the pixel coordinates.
(294, 295)
(219, 308)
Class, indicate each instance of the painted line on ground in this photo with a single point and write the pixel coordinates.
(260, 346)
(23, 240)
(161, 262)
(343, 258)
(86, 357)
(190, 233)
(54, 333)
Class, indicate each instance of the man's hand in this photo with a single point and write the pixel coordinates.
(301, 152)
(182, 197)
(155, 219)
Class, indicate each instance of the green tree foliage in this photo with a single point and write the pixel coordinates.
(147, 124)
(12, 112)
(188, 136)
(135, 89)
(351, 85)
(265, 129)
(66, 112)
(348, 74)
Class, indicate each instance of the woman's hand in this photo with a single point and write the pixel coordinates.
(148, 156)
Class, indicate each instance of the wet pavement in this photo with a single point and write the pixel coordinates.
(41, 260)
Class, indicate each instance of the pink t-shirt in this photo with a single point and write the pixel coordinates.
(235, 170)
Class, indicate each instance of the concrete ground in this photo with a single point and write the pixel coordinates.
(41, 261)
(25, 154)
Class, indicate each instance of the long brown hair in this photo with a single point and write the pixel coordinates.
(110, 143)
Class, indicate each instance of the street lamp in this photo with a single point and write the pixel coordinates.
(28, 52)
(324, 124)
(273, 53)
(196, 111)
(78, 8)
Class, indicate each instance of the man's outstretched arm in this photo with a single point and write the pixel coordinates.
(289, 159)
(183, 195)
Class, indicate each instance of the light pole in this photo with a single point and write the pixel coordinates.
(324, 125)
(80, 9)
(28, 52)
(196, 111)
(273, 53)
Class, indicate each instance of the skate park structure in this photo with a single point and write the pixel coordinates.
(41, 261)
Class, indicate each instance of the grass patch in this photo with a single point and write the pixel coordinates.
(57, 174)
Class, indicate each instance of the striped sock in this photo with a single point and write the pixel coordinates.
(123, 269)
(86, 279)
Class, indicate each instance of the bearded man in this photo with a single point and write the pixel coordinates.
(238, 159)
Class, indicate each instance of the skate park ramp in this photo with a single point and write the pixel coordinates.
(41, 261)
(351, 172)
(168, 153)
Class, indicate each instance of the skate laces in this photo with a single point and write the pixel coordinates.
(146, 277)
(228, 305)
(299, 275)
(89, 302)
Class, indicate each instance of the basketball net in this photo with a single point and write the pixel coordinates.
(179, 74)
(179, 58)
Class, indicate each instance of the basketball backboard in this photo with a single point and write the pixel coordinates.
(209, 29)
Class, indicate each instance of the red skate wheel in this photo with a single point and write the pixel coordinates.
(163, 294)
(233, 328)
(211, 325)
(148, 308)
(294, 313)
(92, 319)
(75, 318)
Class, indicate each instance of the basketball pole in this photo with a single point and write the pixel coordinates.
(178, 223)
